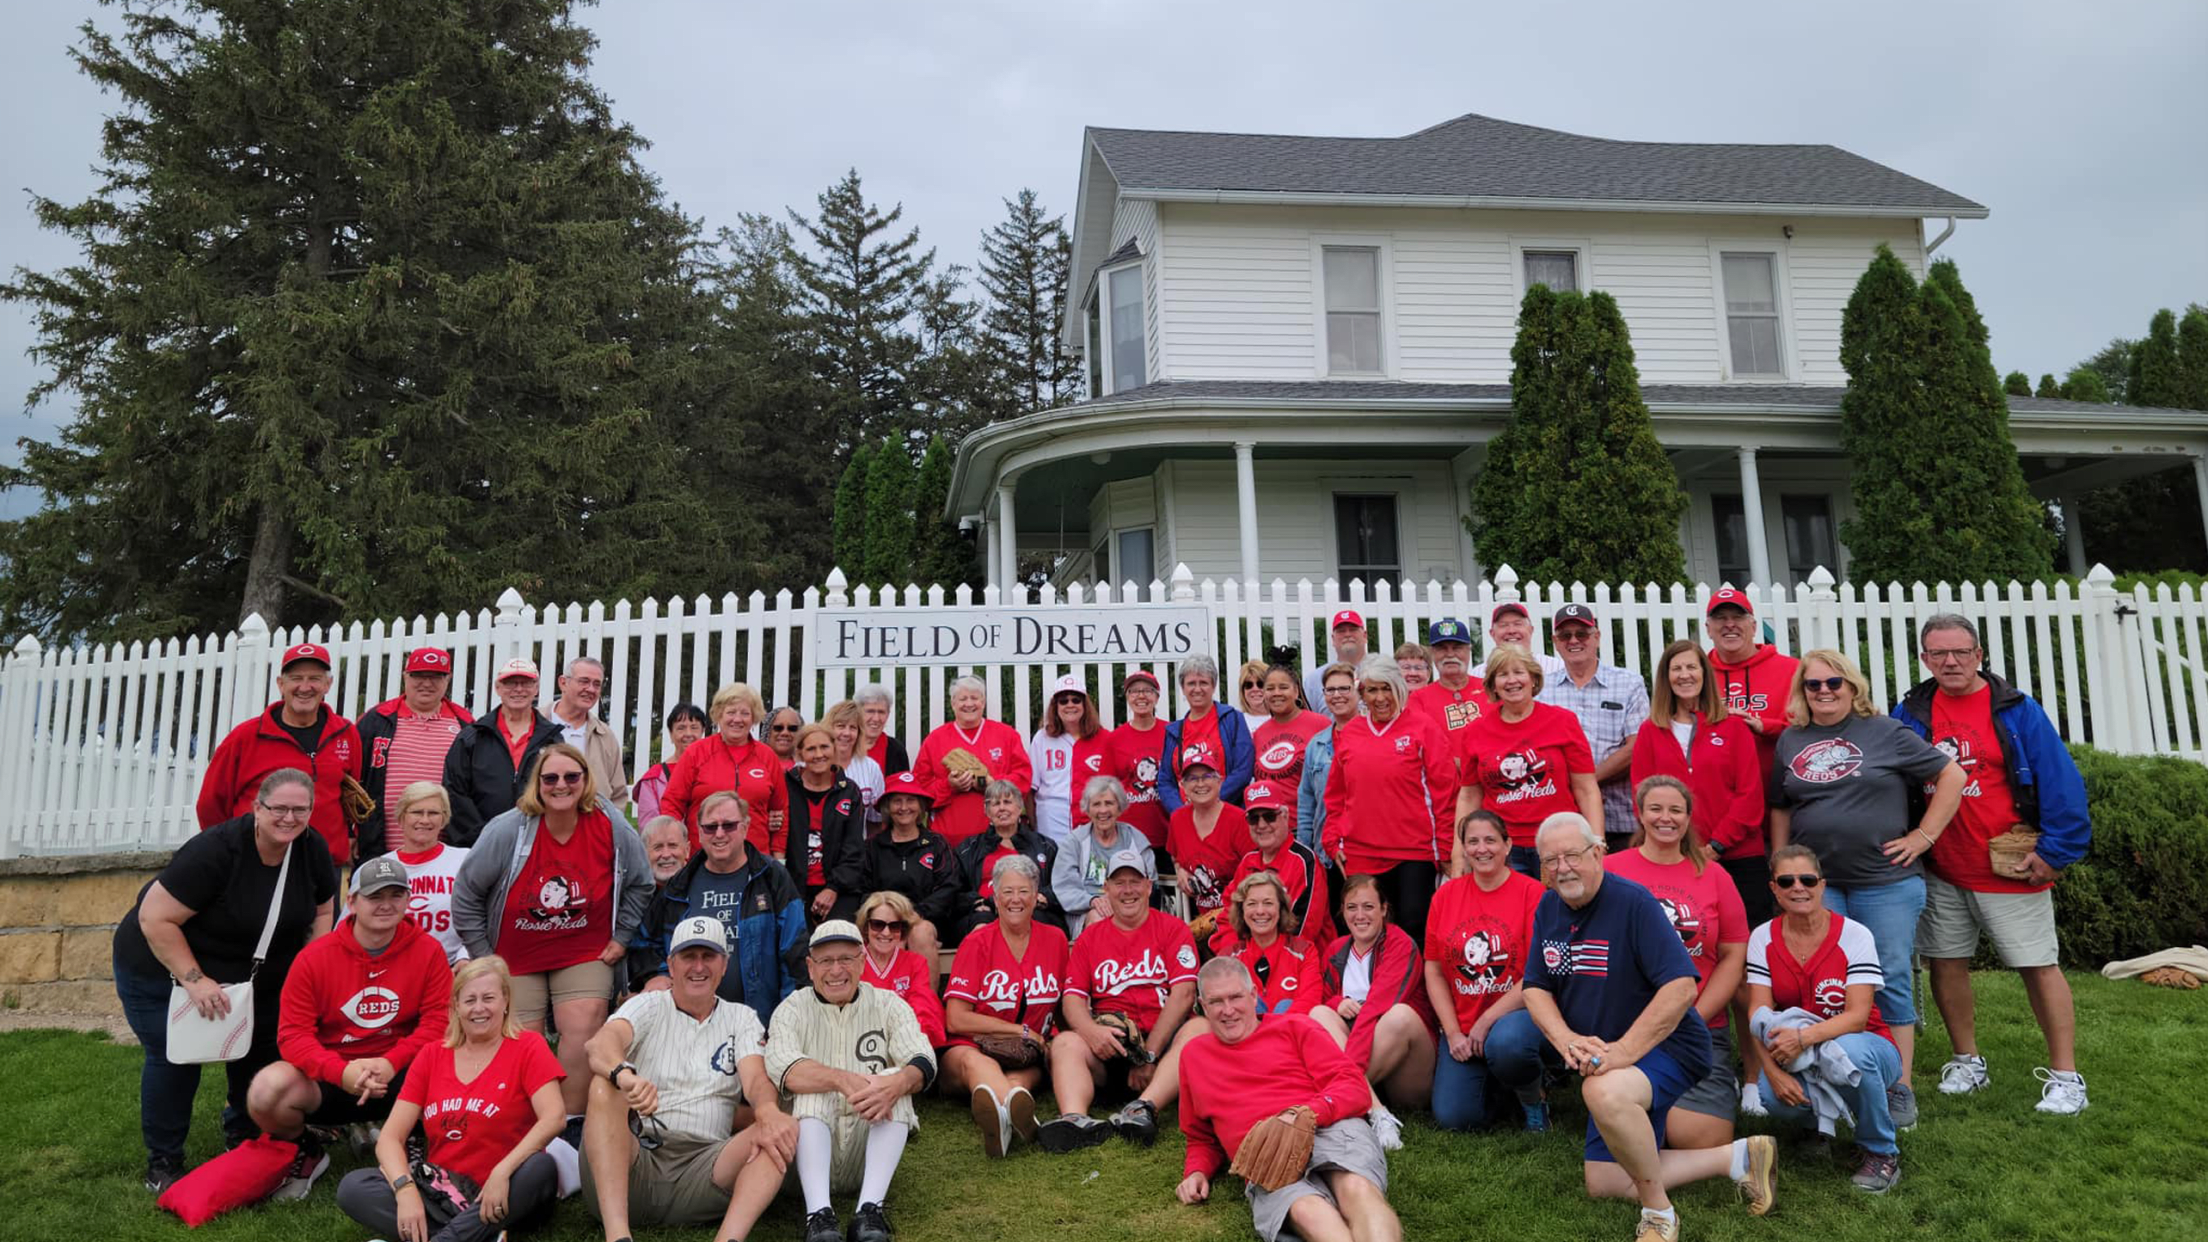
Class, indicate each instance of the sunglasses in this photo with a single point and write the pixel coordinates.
(549, 779)
(719, 826)
(1824, 683)
(650, 1132)
(1263, 817)
(1249, 685)
(1789, 881)
(884, 925)
(784, 728)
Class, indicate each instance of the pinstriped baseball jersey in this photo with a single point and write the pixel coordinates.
(692, 1063)
(875, 1033)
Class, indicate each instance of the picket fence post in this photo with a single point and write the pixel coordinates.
(248, 672)
(2110, 688)
(18, 704)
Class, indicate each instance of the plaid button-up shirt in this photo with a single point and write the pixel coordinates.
(1610, 707)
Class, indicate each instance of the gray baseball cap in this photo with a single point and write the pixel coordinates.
(378, 874)
(1131, 860)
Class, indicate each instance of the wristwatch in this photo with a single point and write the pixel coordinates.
(614, 1075)
(401, 1182)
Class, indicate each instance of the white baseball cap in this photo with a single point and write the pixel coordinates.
(699, 929)
(519, 666)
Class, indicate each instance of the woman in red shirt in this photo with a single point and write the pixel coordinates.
(1376, 1008)
(1206, 839)
(885, 919)
(1689, 735)
(1387, 795)
(733, 759)
(1285, 733)
(1475, 960)
(1134, 753)
(998, 746)
(1298, 866)
(488, 1100)
(1286, 967)
(1525, 760)
(1005, 981)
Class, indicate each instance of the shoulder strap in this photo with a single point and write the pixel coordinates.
(275, 904)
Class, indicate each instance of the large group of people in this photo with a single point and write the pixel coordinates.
(1393, 884)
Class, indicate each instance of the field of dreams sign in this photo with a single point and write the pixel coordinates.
(851, 638)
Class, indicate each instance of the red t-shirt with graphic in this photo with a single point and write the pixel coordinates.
(1206, 863)
(1134, 760)
(1963, 727)
(1280, 748)
(559, 912)
(1704, 909)
(471, 1126)
(1524, 770)
(1451, 709)
(1021, 988)
(1129, 972)
(1479, 938)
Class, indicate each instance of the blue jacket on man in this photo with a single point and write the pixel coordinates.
(2043, 778)
(769, 959)
(1241, 760)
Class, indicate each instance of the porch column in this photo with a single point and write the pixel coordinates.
(2200, 481)
(1751, 507)
(992, 561)
(2073, 531)
(1245, 488)
(1008, 541)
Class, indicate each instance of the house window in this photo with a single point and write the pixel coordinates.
(1126, 327)
(1732, 540)
(1365, 538)
(1558, 269)
(1136, 560)
(1810, 540)
(1752, 313)
(1095, 330)
(1353, 310)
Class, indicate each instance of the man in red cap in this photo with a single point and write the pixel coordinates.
(1302, 872)
(297, 731)
(1511, 625)
(406, 739)
(1754, 677)
(1350, 647)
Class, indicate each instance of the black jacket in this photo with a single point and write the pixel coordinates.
(972, 856)
(769, 933)
(894, 758)
(377, 726)
(921, 869)
(842, 831)
(481, 776)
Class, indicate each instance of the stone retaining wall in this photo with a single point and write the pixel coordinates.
(57, 926)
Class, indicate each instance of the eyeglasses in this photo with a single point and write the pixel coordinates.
(1576, 634)
(784, 728)
(1198, 774)
(719, 826)
(1263, 817)
(1832, 684)
(549, 779)
(1951, 655)
(1575, 857)
(650, 1132)
(282, 814)
(1249, 685)
(894, 925)
(1789, 881)
(1334, 690)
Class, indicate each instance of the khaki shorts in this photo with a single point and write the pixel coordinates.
(1347, 1146)
(534, 995)
(671, 1184)
(2021, 925)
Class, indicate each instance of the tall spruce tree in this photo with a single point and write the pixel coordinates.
(1939, 496)
(2156, 376)
(1575, 487)
(940, 554)
(1026, 261)
(2192, 358)
(888, 540)
(848, 528)
(370, 299)
(864, 282)
(2047, 387)
(2113, 365)
(2017, 384)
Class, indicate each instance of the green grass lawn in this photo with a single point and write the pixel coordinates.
(1986, 1167)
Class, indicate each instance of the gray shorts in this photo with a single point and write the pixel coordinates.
(671, 1184)
(1348, 1145)
(1717, 1094)
(2021, 925)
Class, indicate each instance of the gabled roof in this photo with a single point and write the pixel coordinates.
(1484, 160)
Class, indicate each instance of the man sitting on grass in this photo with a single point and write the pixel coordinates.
(1610, 984)
(1247, 1071)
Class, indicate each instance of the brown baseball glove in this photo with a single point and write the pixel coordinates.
(353, 798)
(1277, 1150)
(1129, 1034)
(1203, 925)
(2171, 977)
(963, 760)
(2007, 852)
(1013, 1052)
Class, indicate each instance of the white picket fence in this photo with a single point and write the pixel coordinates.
(102, 748)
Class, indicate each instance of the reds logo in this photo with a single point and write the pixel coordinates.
(1114, 976)
(1403, 745)
(1486, 960)
(1827, 760)
(455, 1124)
(996, 752)
(372, 1007)
(1277, 756)
(843, 807)
(927, 861)
(1522, 769)
(757, 774)
(558, 900)
(1552, 955)
(1831, 995)
(1957, 749)
(1094, 763)
(434, 659)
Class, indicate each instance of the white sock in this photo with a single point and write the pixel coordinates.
(1740, 1159)
(1665, 1213)
(885, 1146)
(814, 1144)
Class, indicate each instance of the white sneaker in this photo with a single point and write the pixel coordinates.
(1386, 1127)
(2060, 1093)
(1963, 1074)
(1751, 1100)
(299, 1178)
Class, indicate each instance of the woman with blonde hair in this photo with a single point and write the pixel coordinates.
(423, 810)
(1252, 702)
(1289, 972)
(846, 723)
(731, 758)
(885, 920)
(487, 1100)
(1525, 760)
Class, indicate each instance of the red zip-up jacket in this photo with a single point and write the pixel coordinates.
(1287, 1061)
(1758, 686)
(1290, 980)
(1398, 978)
(339, 1004)
(710, 765)
(1391, 794)
(259, 747)
(1723, 772)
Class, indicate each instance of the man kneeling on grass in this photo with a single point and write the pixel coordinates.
(1245, 1073)
(667, 1071)
(1611, 986)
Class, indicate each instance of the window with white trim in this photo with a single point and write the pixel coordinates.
(1558, 269)
(1366, 538)
(1352, 275)
(1752, 313)
(1127, 363)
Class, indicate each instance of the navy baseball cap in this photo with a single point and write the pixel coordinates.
(1448, 631)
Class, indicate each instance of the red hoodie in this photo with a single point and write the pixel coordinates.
(1758, 686)
(1391, 794)
(340, 1004)
(258, 748)
(1722, 769)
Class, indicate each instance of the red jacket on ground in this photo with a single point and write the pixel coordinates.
(339, 1004)
(1391, 795)
(999, 747)
(1758, 686)
(1398, 978)
(254, 750)
(1287, 1061)
(1722, 770)
(709, 766)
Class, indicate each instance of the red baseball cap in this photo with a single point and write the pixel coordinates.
(306, 651)
(1728, 597)
(1201, 755)
(1267, 796)
(908, 782)
(1141, 674)
(1348, 617)
(1508, 605)
(429, 660)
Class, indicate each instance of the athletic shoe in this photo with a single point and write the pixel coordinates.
(1901, 1104)
(1751, 1101)
(2060, 1093)
(1537, 1117)
(991, 1120)
(1070, 1132)
(360, 1139)
(1877, 1174)
(1963, 1074)
(1020, 1108)
(1386, 1127)
(309, 1164)
(1760, 1186)
(573, 1133)
(1137, 1122)
(868, 1224)
(821, 1226)
(1657, 1227)
(162, 1172)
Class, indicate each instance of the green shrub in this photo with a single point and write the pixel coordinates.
(2143, 885)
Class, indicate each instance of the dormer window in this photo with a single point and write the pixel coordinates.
(1123, 328)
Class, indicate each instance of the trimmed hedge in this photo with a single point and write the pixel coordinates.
(2143, 885)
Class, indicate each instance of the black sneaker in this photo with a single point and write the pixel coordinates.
(1071, 1132)
(869, 1225)
(821, 1226)
(162, 1172)
(1137, 1122)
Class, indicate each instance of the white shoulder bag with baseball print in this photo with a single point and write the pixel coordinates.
(194, 1040)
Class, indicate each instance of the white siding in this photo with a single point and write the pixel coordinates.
(1824, 261)
(1295, 516)
(1241, 297)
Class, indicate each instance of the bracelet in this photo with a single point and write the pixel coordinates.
(1929, 839)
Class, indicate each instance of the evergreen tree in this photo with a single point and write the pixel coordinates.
(2017, 384)
(848, 530)
(2084, 384)
(2156, 376)
(2047, 387)
(862, 291)
(2192, 359)
(940, 554)
(369, 298)
(952, 391)
(2113, 365)
(1939, 496)
(1575, 487)
(888, 540)
(1026, 261)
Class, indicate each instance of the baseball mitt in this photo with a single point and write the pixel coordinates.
(2007, 852)
(353, 798)
(1129, 1034)
(1203, 925)
(1013, 1052)
(963, 760)
(1277, 1150)
(2171, 977)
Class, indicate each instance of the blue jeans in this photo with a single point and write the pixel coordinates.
(1879, 1063)
(165, 1091)
(1525, 860)
(1890, 912)
(1484, 1090)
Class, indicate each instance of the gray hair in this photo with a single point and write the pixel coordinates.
(584, 659)
(1104, 785)
(1387, 672)
(1568, 819)
(1947, 621)
(283, 777)
(993, 788)
(1017, 864)
(659, 822)
(1225, 966)
(967, 682)
(1200, 665)
(874, 692)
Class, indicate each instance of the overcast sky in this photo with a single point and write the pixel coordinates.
(2080, 126)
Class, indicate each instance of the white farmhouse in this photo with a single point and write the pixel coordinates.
(1297, 349)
